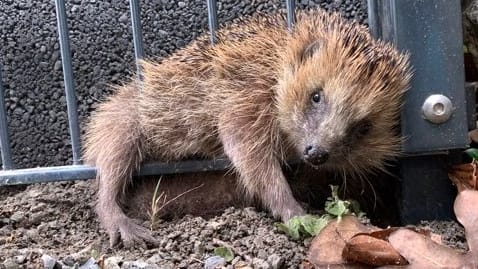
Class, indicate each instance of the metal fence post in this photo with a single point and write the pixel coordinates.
(434, 116)
(68, 79)
(4, 140)
(137, 35)
(212, 19)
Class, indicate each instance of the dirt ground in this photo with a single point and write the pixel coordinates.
(53, 225)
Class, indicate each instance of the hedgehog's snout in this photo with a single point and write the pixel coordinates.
(315, 155)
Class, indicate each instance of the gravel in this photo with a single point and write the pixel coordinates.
(58, 229)
(102, 53)
(59, 240)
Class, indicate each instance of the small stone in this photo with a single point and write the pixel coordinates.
(124, 18)
(32, 233)
(260, 264)
(90, 264)
(43, 49)
(250, 212)
(275, 261)
(48, 261)
(198, 247)
(156, 258)
(174, 234)
(20, 259)
(138, 265)
(215, 225)
(85, 256)
(57, 66)
(18, 216)
(69, 260)
(113, 262)
(162, 33)
(242, 265)
(261, 253)
(214, 262)
(181, 4)
(75, 8)
(10, 264)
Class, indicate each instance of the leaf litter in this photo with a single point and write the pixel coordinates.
(347, 243)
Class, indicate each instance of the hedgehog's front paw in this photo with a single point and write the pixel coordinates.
(289, 210)
(131, 234)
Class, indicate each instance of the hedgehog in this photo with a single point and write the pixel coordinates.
(324, 92)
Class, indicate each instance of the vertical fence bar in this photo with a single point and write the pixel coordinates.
(212, 19)
(373, 22)
(381, 19)
(4, 140)
(137, 34)
(68, 78)
(290, 5)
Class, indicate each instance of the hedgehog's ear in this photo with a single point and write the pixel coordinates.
(301, 50)
(310, 49)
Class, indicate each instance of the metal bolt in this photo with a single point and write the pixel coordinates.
(437, 108)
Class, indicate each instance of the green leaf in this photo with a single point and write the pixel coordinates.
(224, 252)
(312, 225)
(306, 226)
(293, 227)
(473, 153)
(95, 254)
(337, 208)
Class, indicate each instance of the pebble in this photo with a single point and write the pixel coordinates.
(57, 66)
(275, 261)
(18, 216)
(214, 262)
(242, 265)
(260, 264)
(250, 212)
(20, 259)
(9, 263)
(90, 264)
(156, 258)
(113, 262)
(138, 265)
(48, 261)
(124, 18)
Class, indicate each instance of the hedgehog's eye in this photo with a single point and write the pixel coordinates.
(316, 96)
(363, 128)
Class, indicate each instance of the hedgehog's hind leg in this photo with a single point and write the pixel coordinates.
(114, 145)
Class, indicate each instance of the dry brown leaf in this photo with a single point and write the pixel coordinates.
(370, 250)
(464, 176)
(466, 211)
(473, 135)
(308, 265)
(327, 247)
(421, 252)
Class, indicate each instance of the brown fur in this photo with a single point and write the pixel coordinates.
(248, 97)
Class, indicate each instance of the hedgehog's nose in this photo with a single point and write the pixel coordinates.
(315, 155)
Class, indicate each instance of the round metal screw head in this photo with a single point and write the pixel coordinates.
(437, 108)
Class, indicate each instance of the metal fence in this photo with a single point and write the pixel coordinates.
(430, 30)
(11, 176)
